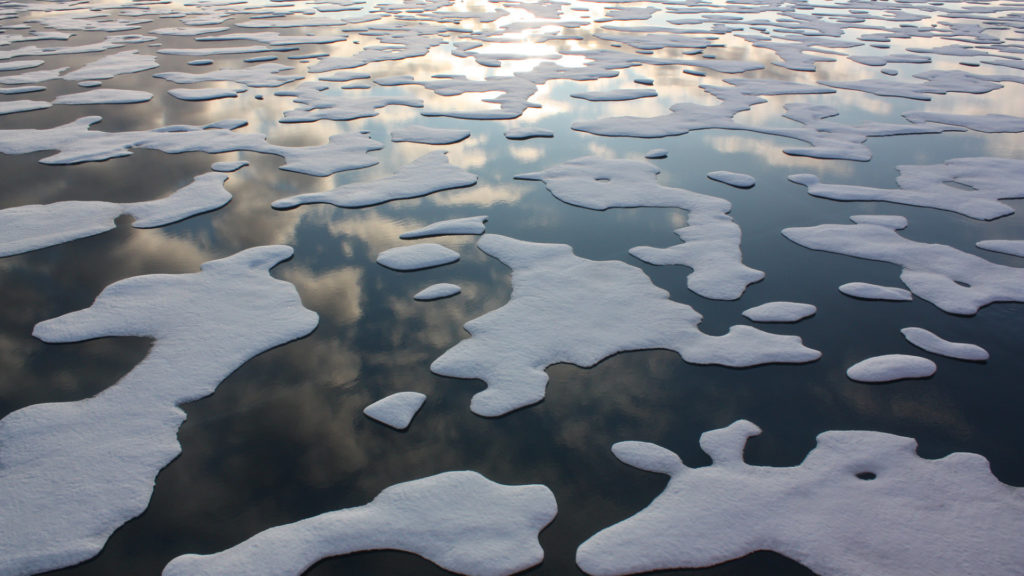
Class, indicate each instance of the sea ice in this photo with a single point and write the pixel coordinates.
(437, 292)
(1011, 247)
(735, 179)
(891, 367)
(867, 291)
(79, 470)
(656, 154)
(955, 281)
(780, 312)
(987, 180)
(427, 174)
(468, 225)
(417, 257)
(317, 102)
(616, 95)
(991, 123)
(396, 410)
(930, 342)
(228, 166)
(861, 502)
(203, 94)
(15, 106)
(26, 228)
(461, 521)
(711, 240)
(568, 309)
(259, 76)
(105, 96)
(127, 62)
(527, 132)
(427, 135)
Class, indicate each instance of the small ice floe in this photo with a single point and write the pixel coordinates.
(103, 453)
(891, 367)
(105, 96)
(428, 174)
(569, 309)
(15, 106)
(471, 225)
(527, 132)
(417, 257)
(616, 95)
(656, 154)
(228, 166)
(982, 182)
(861, 502)
(33, 77)
(935, 82)
(1011, 247)
(127, 62)
(200, 62)
(930, 342)
(957, 282)
(26, 228)
(734, 179)
(991, 123)
(461, 521)
(428, 135)
(866, 291)
(711, 240)
(437, 292)
(396, 410)
(259, 76)
(204, 94)
(780, 312)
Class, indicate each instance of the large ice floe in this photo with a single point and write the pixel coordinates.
(461, 521)
(861, 502)
(711, 239)
(955, 281)
(73, 472)
(26, 228)
(569, 309)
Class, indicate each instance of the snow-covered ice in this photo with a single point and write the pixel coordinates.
(437, 292)
(931, 342)
(891, 367)
(735, 179)
(428, 135)
(471, 225)
(780, 312)
(417, 257)
(1011, 247)
(861, 502)
(569, 309)
(79, 470)
(867, 291)
(396, 410)
(461, 521)
(105, 96)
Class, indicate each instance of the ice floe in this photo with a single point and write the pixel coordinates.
(711, 240)
(15, 106)
(105, 96)
(983, 182)
(955, 281)
(417, 257)
(127, 62)
(427, 174)
(891, 367)
(734, 179)
(861, 502)
(79, 470)
(396, 410)
(461, 521)
(204, 94)
(437, 292)
(26, 228)
(1011, 247)
(469, 225)
(527, 132)
(615, 95)
(318, 102)
(259, 76)
(427, 135)
(866, 291)
(569, 309)
(780, 312)
(992, 123)
(930, 342)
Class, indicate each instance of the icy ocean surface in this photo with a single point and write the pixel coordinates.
(455, 286)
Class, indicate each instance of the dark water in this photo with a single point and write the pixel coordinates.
(283, 438)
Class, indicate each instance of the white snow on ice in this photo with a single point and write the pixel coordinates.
(891, 367)
(735, 179)
(866, 291)
(417, 257)
(780, 312)
(105, 96)
(930, 342)
(471, 225)
(437, 292)
(427, 135)
(396, 410)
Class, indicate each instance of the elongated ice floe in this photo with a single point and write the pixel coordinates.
(317, 102)
(983, 182)
(437, 292)
(931, 342)
(15, 106)
(461, 521)
(527, 132)
(260, 76)
(428, 135)
(569, 309)
(471, 225)
(615, 95)
(861, 502)
(955, 281)
(734, 179)
(991, 123)
(105, 96)
(79, 470)
(866, 291)
(427, 174)
(204, 94)
(396, 410)
(1011, 247)
(26, 228)
(780, 312)
(711, 240)
(891, 367)
(127, 62)
(417, 257)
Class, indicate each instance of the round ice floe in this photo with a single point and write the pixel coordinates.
(437, 292)
(780, 312)
(417, 257)
(734, 179)
(396, 410)
(891, 367)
